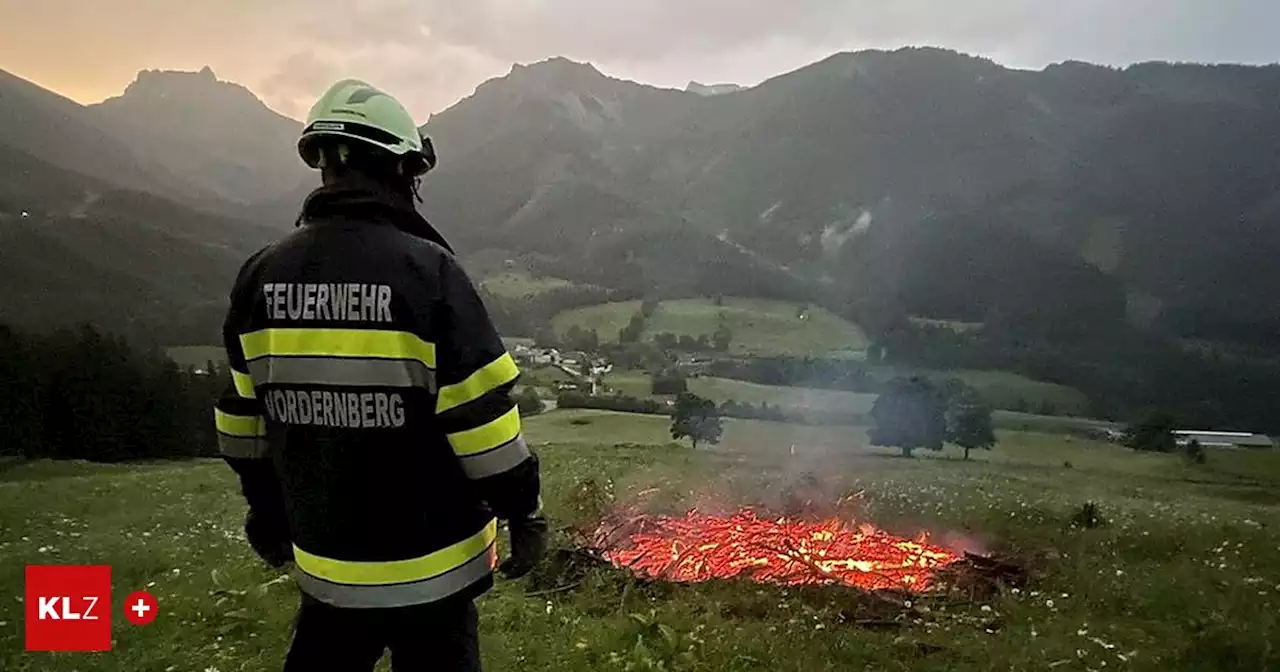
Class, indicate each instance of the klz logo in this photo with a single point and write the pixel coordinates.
(68, 608)
(49, 609)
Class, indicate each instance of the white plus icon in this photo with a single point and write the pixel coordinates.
(141, 608)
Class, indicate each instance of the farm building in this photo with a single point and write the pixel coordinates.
(1224, 439)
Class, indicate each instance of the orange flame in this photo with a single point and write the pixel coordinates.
(700, 547)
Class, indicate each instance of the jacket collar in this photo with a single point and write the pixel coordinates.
(358, 197)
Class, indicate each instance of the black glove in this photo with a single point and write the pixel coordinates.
(269, 539)
(528, 544)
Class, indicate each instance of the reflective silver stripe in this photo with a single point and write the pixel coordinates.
(401, 594)
(342, 371)
(492, 462)
(241, 446)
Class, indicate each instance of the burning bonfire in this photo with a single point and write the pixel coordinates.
(701, 547)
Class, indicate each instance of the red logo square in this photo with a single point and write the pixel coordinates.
(68, 608)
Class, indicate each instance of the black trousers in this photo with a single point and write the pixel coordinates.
(441, 637)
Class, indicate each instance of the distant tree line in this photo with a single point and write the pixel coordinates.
(531, 316)
(1122, 372)
(618, 403)
(727, 409)
(820, 373)
(82, 394)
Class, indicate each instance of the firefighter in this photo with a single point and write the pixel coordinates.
(370, 420)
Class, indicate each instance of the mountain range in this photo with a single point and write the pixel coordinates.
(917, 182)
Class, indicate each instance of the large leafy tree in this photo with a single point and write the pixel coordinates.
(910, 414)
(969, 422)
(696, 418)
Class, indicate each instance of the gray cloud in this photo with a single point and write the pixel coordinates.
(431, 52)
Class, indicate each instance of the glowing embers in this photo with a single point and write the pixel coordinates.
(700, 547)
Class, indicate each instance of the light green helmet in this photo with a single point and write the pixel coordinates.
(357, 110)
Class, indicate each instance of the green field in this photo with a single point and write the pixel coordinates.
(725, 389)
(1000, 389)
(514, 285)
(1183, 575)
(759, 327)
(1005, 390)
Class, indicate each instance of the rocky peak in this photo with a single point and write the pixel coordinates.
(712, 89)
(193, 88)
(556, 75)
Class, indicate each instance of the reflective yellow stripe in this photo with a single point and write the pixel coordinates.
(338, 343)
(398, 571)
(487, 436)
(490, 377)
(245, 426)
(244, 384)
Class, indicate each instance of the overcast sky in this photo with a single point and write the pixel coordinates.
(430, 53)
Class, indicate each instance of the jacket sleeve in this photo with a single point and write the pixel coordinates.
(476, 374)
(242, 433)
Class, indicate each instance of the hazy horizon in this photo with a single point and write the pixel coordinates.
(431, 53)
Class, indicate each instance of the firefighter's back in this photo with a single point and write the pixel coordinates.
(339, 337)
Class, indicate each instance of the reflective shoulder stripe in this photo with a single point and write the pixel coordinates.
(487, 436)
(242, 447)
(338, 343)
(244, 384)
(490, 377)
(500, 460)
(413, 570)
(426, 591)
(239, 425)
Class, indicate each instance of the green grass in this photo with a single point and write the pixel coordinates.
(513, 285)
(1185, 575)
(759, 327)
(1006, 390)
(998, 387)
(630, 383)
(720, 390)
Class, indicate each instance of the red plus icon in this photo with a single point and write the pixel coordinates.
(140, 608)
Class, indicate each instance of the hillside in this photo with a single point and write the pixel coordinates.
(62, 133)
(74, 249)
(208, 132)
(943, 185)
(1092, 219)
(919, 182)
(759, 327)
(518, 286)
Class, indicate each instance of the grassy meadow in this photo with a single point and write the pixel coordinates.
(759, 327)
(1063, 399)
(1007, 390)
(518, 285)
(1184, 573)
(719, 390)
